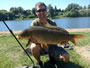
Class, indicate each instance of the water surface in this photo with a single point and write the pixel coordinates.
(67, 23)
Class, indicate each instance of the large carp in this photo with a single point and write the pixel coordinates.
(45, 36)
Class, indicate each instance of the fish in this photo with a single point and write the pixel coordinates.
(54, 28)
(45, 36)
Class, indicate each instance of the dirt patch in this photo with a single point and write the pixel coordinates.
(84, 51)
(7, 32)
(79, 30)
(69, 30)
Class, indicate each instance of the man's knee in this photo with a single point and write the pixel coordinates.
(64, 57)
(35, 48)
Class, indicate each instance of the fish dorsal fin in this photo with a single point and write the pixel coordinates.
(55, 28)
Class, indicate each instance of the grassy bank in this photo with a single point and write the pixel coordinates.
(11, 54)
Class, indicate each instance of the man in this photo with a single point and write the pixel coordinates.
(55, 52)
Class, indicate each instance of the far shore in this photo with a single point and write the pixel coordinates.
(69, 30)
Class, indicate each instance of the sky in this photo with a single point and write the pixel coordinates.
(29, 4)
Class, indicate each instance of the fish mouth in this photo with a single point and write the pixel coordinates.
(18, 37)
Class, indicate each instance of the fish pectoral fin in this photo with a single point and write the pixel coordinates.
(42, 46)
(46, 47)
(29, 42)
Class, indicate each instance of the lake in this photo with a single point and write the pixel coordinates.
(67, 23)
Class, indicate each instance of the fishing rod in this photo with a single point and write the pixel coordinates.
(19, 43)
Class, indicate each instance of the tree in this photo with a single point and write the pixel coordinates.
(89, 6)
(3, 15)
(20, 10)
(51, 10)
(83, 13)
(73, 6)
(55, 11)
(84, 7)
(27, 12)
(89, 12)
(11, 16)
(14, 10)
(74, 13)
(33, 11)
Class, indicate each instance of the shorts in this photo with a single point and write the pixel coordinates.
(53, 51)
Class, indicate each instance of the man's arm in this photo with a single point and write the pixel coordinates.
(51, 22)
(35, 22)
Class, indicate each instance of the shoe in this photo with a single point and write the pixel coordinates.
(40, 64)
(67, 46)
(52, 60)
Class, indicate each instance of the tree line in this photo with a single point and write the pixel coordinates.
(72, 10)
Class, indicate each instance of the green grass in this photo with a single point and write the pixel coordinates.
(11, 54)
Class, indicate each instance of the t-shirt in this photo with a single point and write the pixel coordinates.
(48, 23)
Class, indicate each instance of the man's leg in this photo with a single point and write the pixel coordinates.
(35, 49)
(52, 60)
(58, 53)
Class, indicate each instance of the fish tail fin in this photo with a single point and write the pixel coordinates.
(77, 36)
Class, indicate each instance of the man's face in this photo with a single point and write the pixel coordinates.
(41, 11)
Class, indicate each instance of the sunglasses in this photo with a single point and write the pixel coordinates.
(41, 10)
